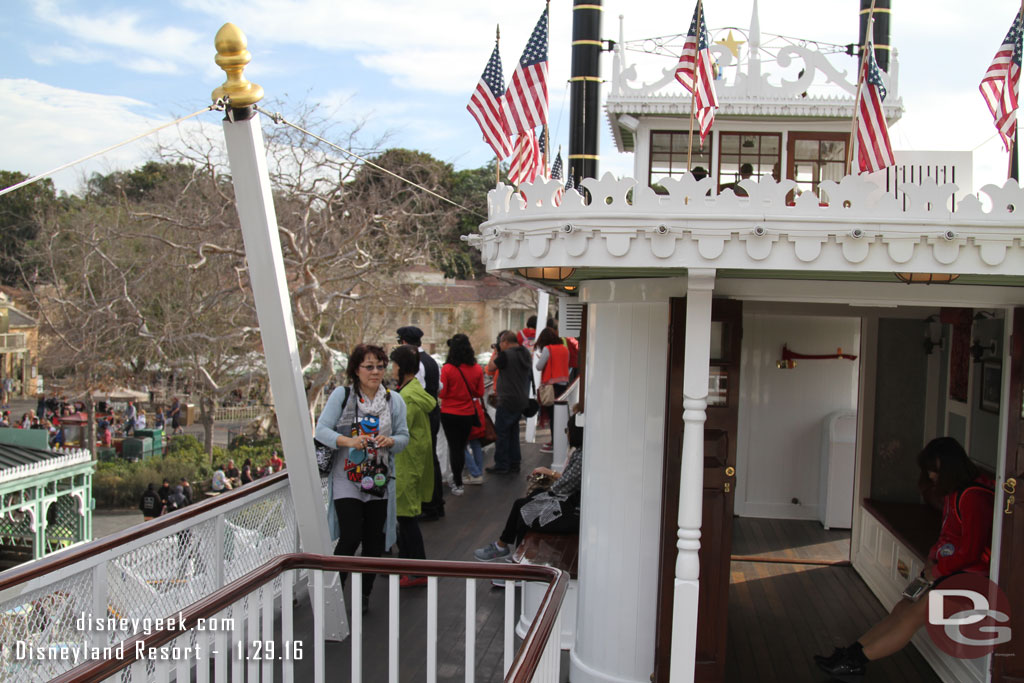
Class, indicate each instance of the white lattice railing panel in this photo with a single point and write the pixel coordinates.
(40, 619)
(149, 576)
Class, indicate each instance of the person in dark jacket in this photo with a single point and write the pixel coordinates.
(186, 488)
(150, 504)
(164, 492)
(513, 395)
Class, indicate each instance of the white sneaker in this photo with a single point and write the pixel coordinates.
(457, 490)
(471, 480)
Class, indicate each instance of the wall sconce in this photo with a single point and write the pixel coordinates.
(549, 273)
(926, 278)
(977, 350)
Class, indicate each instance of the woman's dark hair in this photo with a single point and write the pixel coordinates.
(531, 321)
(407, 358)
(948, 458)
(546, 337)
(460, 351)
(356, 358)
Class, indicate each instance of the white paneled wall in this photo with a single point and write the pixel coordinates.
(782, 412)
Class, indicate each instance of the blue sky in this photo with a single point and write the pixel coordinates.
(77, 75)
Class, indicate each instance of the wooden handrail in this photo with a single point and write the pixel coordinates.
(34, 570)
(523, 666)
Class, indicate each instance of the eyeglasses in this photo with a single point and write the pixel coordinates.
(371, 368)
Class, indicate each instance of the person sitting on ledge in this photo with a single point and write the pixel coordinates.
(964, 546)
(554, 511)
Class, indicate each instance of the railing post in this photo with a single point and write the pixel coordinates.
(99, 603)
(219, 554)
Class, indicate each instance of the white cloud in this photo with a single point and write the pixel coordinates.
(134, 43)
(46, 127)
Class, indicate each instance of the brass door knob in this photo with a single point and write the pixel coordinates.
(1010, 486)
(730, 471)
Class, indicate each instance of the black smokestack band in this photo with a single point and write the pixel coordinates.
(585, 90)
(883, 12)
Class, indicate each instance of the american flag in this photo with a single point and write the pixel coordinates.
(695, 72)
(873, 149)
(526, 163)
(525, 105)
(1001, 84)
(556, 174)
(485, 106)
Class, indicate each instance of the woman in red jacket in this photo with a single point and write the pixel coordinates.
(553, 363)
(462, 380)
(964, 545)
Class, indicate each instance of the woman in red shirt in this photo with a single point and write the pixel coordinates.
(553, 362)
(964, 546)
(462, 380)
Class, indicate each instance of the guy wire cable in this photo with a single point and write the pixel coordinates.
(216, 106)
(278, 118)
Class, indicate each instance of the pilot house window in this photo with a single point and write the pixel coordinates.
(669, 150)
(753, 155)
(814, 157)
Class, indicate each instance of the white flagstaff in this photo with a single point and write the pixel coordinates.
(248, 160)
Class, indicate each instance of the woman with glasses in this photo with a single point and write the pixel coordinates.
(462, 381)
(366, 423)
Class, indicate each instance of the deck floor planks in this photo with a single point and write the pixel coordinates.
(818, 607)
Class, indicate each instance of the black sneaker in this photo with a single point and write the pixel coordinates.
(847, 668)
(498, 470)
(837, 654)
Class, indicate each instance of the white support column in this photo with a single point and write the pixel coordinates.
(542, 319)
(270, 290)
(700, 284)
(621, 513)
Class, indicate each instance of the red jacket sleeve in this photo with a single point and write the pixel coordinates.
(976, 535)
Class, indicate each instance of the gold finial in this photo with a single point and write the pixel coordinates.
(233, 57)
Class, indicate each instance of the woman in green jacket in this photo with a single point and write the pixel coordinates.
(414, 466)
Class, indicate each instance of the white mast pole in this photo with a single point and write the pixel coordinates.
(248, 160)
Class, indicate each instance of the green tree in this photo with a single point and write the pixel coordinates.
(21, 214)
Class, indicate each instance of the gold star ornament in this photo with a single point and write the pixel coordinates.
(732, 44)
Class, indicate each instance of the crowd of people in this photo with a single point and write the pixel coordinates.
(381, 433)
(157, 502)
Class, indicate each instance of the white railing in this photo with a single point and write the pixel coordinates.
(559, 422)
(13, 341)
(146, 572)
(247, 630)
(69, 456)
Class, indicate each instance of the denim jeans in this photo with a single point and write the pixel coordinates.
(506, 447)
(474, 458)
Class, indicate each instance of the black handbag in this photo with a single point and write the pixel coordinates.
(532, 407)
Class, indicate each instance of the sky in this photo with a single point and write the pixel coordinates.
(79, 75)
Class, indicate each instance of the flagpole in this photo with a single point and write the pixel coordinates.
(860, 86)
(497, 164)
(547, 138)
(1014, 170)
(693, 89)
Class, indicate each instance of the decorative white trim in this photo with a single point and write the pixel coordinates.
(861, 230)
(69, 457)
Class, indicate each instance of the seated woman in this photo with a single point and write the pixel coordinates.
(964, 545)
(555, 511)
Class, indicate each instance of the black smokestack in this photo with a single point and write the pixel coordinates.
(585, 89)
(883, 12)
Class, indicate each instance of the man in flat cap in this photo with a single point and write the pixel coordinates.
(429, 376)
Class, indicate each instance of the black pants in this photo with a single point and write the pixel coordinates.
(516, 528)
(456, 430)
(410, 540)
(436, 505)
(361, 524)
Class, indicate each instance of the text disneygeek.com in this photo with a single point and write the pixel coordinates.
(87, 649)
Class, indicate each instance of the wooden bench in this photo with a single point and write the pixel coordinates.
(561, 551)
(916, 525)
